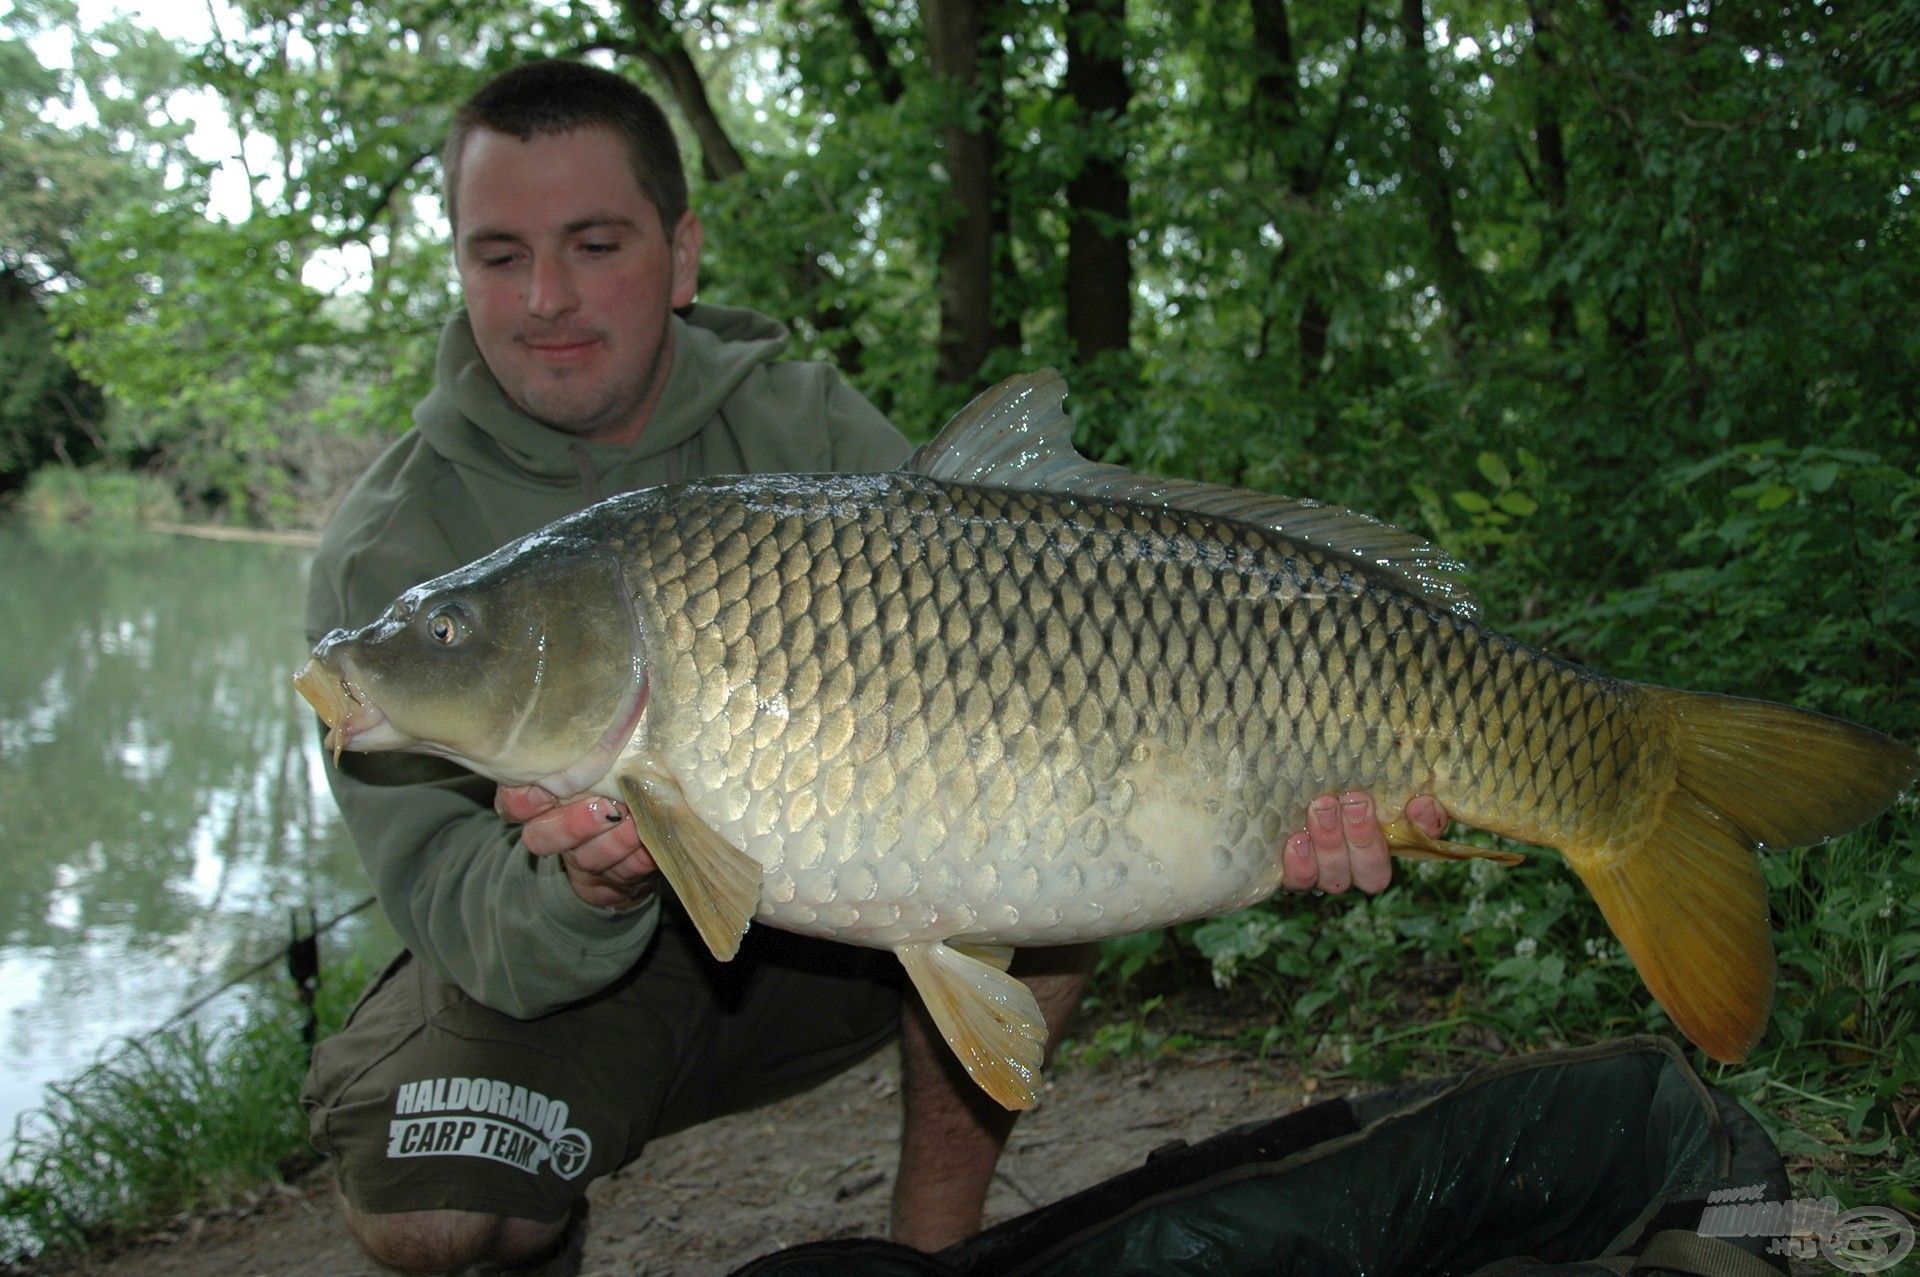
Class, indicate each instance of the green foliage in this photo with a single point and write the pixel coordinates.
(189, 1119)
(1518, 953)
(1493, 519)
(1650, 371)
(99, 494)
(1132, 1038)
(1798, 579)
(51, 176)
(1674, 236)
(47, 413)
(1836, 1078)
(220, 359)
(1454, 965)
(229, 362)
(184, 1121)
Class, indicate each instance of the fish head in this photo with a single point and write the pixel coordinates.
(527, 666)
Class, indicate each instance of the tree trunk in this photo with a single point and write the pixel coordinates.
(1099, 222)
(1551, 152)
(1432, 184)
(1626, 313)
(968, 330)
(1276, 110)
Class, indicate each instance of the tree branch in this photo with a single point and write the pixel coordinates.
(658, 44)
(378, 202)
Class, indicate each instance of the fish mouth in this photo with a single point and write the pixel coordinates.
(340, 704)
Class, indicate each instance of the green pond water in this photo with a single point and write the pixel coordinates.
(163, 798)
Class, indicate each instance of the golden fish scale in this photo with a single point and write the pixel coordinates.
(937, 711)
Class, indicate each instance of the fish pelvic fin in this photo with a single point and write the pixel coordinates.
(718, 884)
(1685, 894)
(989, 1019)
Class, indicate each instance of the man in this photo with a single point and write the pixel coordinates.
(550, 1014)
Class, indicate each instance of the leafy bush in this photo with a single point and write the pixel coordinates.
(1799, 580)
(61, 495)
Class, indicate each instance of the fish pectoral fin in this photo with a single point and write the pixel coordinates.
(1410, 842)
(717, 882)
(989, 1019)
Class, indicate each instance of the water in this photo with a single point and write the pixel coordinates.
(163, 800)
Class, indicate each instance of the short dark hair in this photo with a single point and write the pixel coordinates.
(555, 96)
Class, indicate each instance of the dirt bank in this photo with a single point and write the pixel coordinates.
(819, 1165)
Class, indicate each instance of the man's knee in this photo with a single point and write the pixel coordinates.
(441, 1241)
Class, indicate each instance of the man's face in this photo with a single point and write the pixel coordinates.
(569, 277)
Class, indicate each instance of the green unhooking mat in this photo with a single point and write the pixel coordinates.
(1591, 1161)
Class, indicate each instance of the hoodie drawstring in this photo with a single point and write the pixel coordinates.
(589, 481)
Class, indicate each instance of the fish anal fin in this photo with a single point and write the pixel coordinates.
(717, 882)
(997, 956)
(1410, 842)
(989, 1019)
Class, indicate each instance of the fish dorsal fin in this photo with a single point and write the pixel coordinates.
(1018, 435)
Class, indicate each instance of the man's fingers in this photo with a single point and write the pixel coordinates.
(1428, 815)
(1343, 845)
(593, 837)
(521, 803)
(1329, 844)
(1298, 868)
(569, 825)
(1368, 860)
(615, 855)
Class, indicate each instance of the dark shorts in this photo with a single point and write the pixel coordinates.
(427, 1100)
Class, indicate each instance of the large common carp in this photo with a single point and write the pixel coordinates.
(1006, 696)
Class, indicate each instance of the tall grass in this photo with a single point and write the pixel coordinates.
(188, 1119)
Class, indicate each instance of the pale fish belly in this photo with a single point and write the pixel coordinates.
(1012, 845)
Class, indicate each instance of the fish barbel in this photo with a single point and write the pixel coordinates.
(1006, 696)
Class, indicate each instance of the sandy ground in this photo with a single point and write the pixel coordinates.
(819, 1165)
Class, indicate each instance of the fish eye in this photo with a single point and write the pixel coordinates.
(446, 626)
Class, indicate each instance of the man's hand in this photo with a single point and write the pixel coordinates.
(1343, 844)
(593, 837)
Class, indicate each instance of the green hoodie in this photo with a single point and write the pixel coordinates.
(473, 474)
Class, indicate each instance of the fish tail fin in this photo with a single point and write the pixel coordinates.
(1683, 890)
